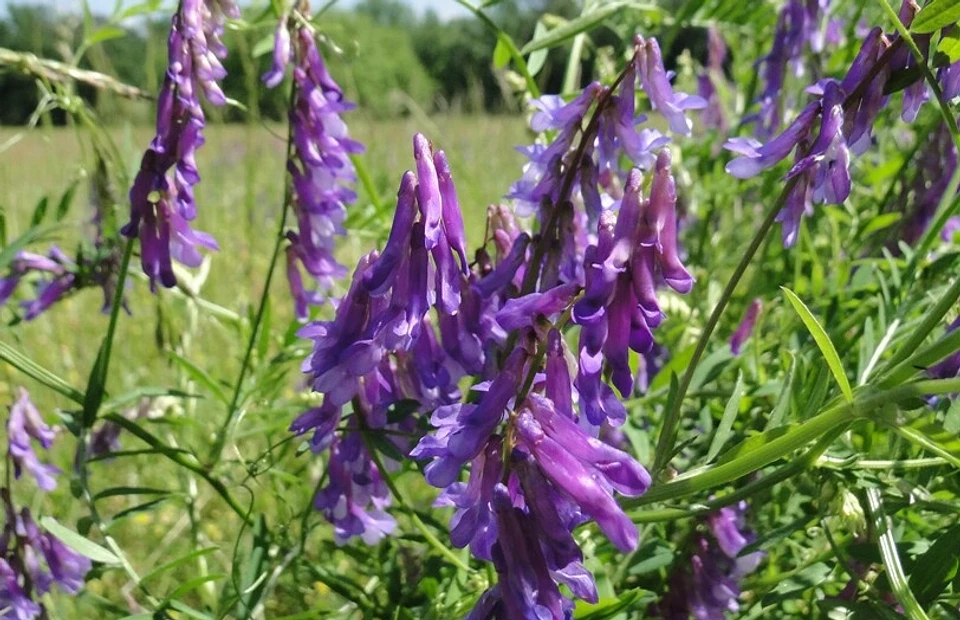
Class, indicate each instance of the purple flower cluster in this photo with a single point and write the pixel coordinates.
(320, 168)
(56, 276)
(161, 199)
(31, 561)
(801, 24)
(709, 587)
(837, 123)
(596, 175)
(419, 317)
(619, 307)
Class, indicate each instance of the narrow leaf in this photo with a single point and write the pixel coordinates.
(37, 372)
(200, 376)
(39, 212)
(585, 22)
(501, 54)
(936, 567)
(193, 555)
(78, 543)
(823, 341)
(783, 400)
(927, 433)
(726, 422)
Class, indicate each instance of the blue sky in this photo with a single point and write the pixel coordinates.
(443, 8)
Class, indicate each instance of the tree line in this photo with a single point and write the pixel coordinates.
(388, 58)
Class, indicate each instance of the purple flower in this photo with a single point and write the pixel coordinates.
(161, 198)
(657, 86)
(473, 522)
(355, 496)
(67, 567)
(13, 599)
(709, 587)
(746, 326)
(319, 166)
(757, 157)
(619, 307)
(23, 427)
(463, 429)
(584, 468)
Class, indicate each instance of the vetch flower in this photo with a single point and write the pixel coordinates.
(709, 587)
(746, 326)
(24, 426)
(670, 104)
(161, 199)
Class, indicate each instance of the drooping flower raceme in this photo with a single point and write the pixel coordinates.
(801, 26)
(597, 175)
(162, 201)
(708, 588)
(837, 123)
(319, 164)
(32, 561)
(419, 318)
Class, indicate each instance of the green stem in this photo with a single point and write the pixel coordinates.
(225, 430)
(185, 460)
(820, 426)
(668, 434)
(420, 525)
(891, 559)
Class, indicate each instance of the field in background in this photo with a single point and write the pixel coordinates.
(238, 201)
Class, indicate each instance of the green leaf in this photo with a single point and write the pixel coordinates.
(119, 491)
(105, 33)
(891, 559)
(263, 46)
(823, 341)
(783, 400)
(188, 611)
(585, 22)
(608, 607)
(881, 222)
(933, 570)
(751, 443)
(178, 562)
(37, 372)
(96, 389)
(726, 422)
(139, 9)
(78, 543)
(501, 54)
(537, 59)
(145, 506)
(193, 584)
(39, 212)
(950, 46)
(927, 433)
(936, 15)
(63, 207)
(200, 376)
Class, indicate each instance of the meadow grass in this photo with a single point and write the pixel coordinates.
(239, 200)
